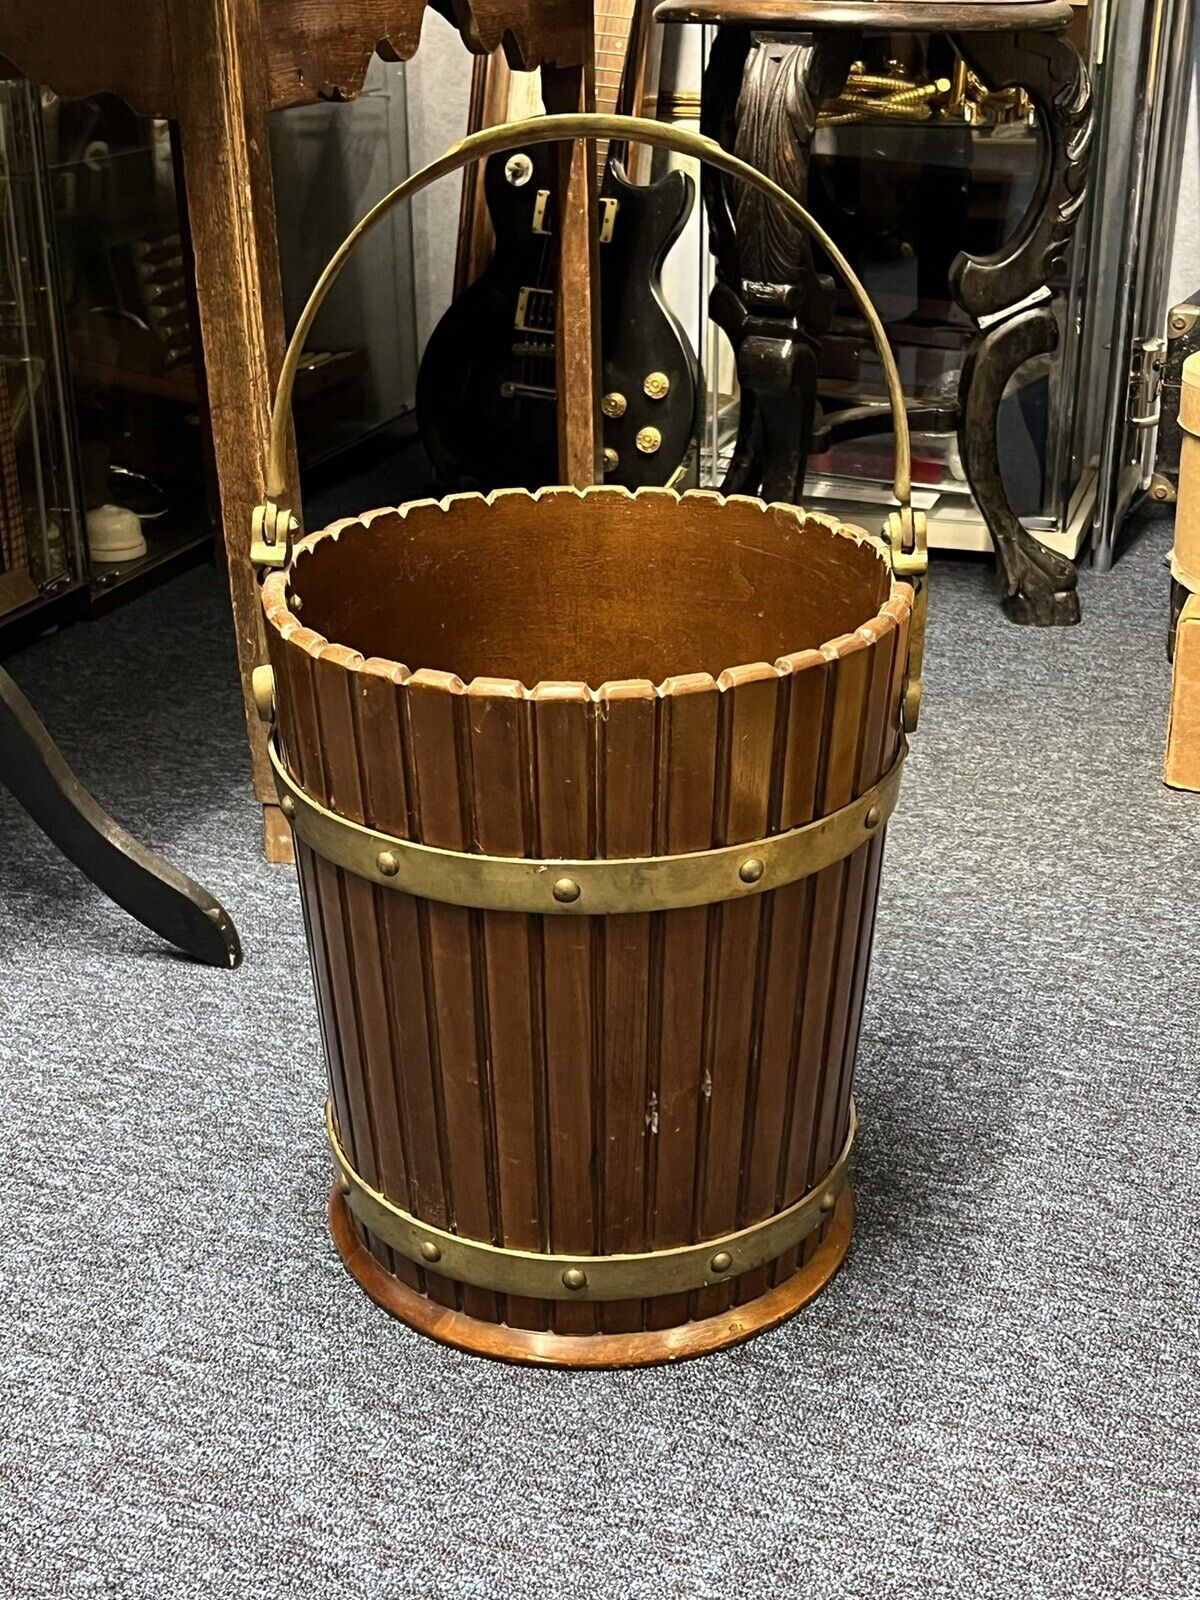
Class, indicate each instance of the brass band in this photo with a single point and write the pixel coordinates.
(540, 1276)
(590, 887)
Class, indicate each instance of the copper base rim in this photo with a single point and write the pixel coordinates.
(528, 1347)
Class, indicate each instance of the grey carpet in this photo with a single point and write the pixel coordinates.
(997, 1397)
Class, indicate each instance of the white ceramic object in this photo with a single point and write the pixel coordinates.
(114, 534)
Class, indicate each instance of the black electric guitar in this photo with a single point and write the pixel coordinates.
(486, 387)
(486, 398)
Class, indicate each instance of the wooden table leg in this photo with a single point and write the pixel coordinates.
(760, 99)
(220, 82)
(1037, 584)
(136, 879)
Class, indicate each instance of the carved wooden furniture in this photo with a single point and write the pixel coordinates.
(773, 63)
(217, 67)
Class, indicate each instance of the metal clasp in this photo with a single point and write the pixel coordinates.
(271, 530)
(906, 537)
(1145, 383)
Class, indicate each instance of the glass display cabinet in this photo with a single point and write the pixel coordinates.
(41, 546)
(919, 157)
(105, 480)
(129, 318)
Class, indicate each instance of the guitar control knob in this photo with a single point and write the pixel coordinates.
(657, 385)
(648, 441)
(610, 459)
(614, 404)
(518, 170)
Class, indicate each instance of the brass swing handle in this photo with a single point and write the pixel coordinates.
(273, 522)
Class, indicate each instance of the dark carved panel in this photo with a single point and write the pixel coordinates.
(1050, 71)
(1037, 584)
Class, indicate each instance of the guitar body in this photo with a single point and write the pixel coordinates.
(486, 401)
(641, 340)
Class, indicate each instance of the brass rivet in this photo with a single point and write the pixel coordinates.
(873, 817)
(751, 871)
(388, 863)
(648, 441)
(656, 385)
(721, 1262)
(828, 1200)
(610, 458)
(430, 1251)
(294, 602)
(288, 806)
(574, 1278)
(566, 891)
(614, 404)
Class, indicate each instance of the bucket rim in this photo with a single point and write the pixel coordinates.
(894, 611)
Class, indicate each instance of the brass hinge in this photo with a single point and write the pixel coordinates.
(271, 530)
(907, 547)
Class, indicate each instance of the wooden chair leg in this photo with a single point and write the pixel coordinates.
(141, 882)
(225, 161)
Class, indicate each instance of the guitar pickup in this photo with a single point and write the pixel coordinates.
(608, 215)
(535, 311)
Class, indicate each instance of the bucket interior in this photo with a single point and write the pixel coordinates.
(587, 589)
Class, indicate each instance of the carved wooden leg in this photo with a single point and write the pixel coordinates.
(137, 879)
(761, 97)
(1038, 584)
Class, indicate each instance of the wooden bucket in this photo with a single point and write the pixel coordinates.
(589, 793)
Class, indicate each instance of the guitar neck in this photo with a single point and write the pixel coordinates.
(613, 24)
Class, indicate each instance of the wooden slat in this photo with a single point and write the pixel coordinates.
(330, 935)
(628, 770)
(342, 977)
(686, 782)
(791, 917)
(878, 639)
(452, 973)
(882, 755)
(301, 739)
(850, 662)
(563, 725)
(297, 733)
(503, 824)
(355, 759)
(382, 722)
(335, 669)
(746, 740)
